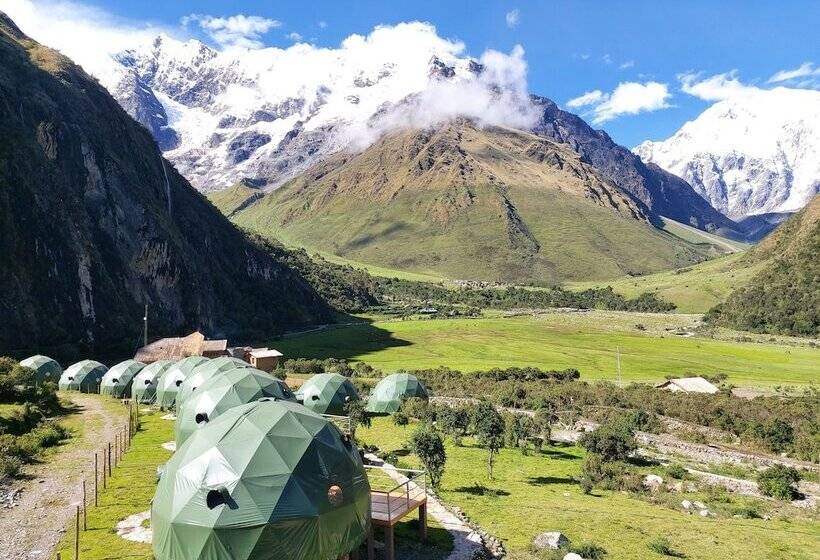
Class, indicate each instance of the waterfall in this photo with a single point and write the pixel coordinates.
(167, 185)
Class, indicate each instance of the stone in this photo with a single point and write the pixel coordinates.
(652, 481)
(550, 540)
(699, 505)
(573, 556)
(704, 513)
(686, 504)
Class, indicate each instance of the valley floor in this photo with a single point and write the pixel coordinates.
(651, 347)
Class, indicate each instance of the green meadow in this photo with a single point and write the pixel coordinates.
(589, 341)
(537, 492)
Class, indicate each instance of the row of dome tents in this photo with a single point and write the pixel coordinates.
(275, 479)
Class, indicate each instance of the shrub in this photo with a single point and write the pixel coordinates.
(746, 512)
(613, 441)
(417, 408)
(400, 418)
(661, 545)
(588, 550)
(428, 446)
(9, 466)
(779, 482)
(676, 471)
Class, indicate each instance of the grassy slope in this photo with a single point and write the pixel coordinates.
(541, 496)
(694, 289)
(446, 211)
(587, 341)
(693, 235)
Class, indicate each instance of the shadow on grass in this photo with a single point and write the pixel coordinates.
(545, 480)
(347, 342)
(478, 489)
(558, 454)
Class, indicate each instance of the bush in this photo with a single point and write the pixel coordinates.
(417, 408)
(9, 466)
(400, 418)
(661, 545)
(613, 441)
(746, 512)
(429, 448)
(779, 482)
(676, 471)
(588, 550)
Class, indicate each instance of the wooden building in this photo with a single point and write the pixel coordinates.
(266, 359)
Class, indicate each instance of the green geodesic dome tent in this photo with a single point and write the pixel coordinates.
(204, 372)
(117, 381)
(327, 393)
(223, 392)
(269, 480)
(144, 386)
(171, 380)
(45, 369)
(83, 376)
(388, 394)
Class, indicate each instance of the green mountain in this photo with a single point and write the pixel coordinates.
(94, 224)
(465, 202)
(784, 297)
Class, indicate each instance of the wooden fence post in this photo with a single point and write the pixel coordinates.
(96, 481)
(77, 534)
(85, 509)
(109, 458)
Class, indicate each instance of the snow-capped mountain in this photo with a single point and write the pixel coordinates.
(265, 115)
(755, 153)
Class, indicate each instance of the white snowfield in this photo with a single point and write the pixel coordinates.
(236, 111)
(756, 153)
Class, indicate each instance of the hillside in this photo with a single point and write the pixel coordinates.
(784, 297)
(94, 224)
(465, 202)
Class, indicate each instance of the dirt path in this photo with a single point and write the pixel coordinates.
(32, 528)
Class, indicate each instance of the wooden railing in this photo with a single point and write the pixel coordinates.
(398, 497)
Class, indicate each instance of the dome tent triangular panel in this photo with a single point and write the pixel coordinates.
(388, 394)
(45, 369)
(84, 376)
(327, 393)
(118, 380)
(301, 493)
(220, 393)
(144, 385)
(204, 372)
(169, 383)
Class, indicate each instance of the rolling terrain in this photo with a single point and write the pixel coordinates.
(465, 202)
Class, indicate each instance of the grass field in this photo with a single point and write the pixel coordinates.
(587, 341)
(695, 235)
(537, 493)
(694, 289)
(131, 488)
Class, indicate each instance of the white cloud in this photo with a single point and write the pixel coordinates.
(238, 30)
(714, 88)
(606, 59)
(589, 98)
(512, 17)
(627, 64)
(629, 98)
(293, 36)
(322, 24)
(805, 75)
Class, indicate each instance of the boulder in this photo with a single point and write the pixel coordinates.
(652, 481)
(686, 504)
(573, 556)
(551, 540)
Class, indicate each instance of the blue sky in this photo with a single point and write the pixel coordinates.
(572, 47)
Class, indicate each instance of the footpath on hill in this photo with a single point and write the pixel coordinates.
(39, 507)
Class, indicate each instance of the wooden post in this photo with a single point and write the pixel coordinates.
(85, 509)
(371, 546)
(96, 481)
(109, 458)
(423, 521)
(389, 543)
(103, 469)
(77, 534)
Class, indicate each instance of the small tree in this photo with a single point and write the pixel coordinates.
(454, 422)
(612, 441)
(779, 482)
(428, 446)
(489, 429)
(358, 416)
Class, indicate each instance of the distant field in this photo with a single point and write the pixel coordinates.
(694, 289)
(383, 272)
(694, 235)
(537, 493)
(587, 341)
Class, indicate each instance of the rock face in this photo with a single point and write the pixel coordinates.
(94, 225)
(551, 540)
(753, 154)
(663, 194)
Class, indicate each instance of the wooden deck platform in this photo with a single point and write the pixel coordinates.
(387, 509)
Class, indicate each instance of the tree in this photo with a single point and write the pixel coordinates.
(454, 422)
(489, 429)
(612, 441)
(358, 416)
(542, 425)
(779, 482)
(428, 446)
